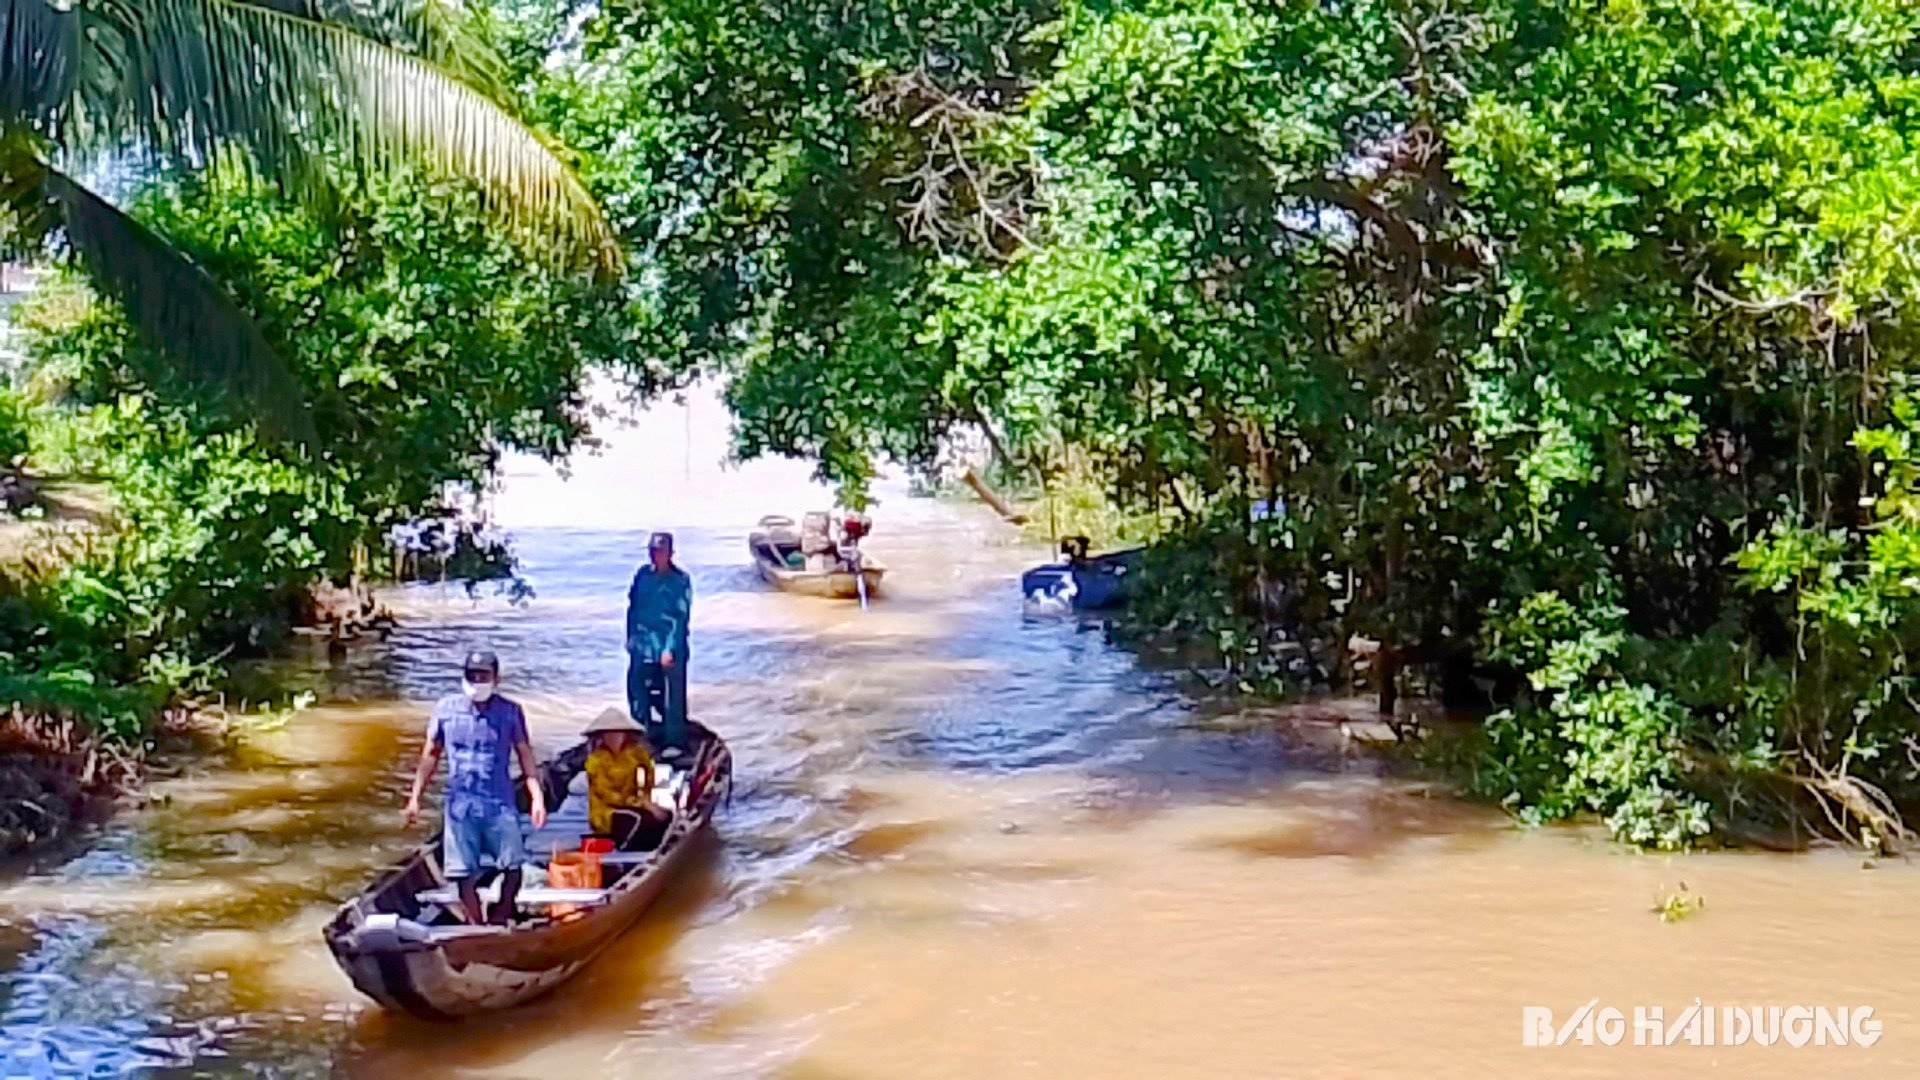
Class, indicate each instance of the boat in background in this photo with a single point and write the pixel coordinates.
(805, 559)
(405, 945)
(1082, 582)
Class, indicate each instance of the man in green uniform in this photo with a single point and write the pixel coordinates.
(658, 609)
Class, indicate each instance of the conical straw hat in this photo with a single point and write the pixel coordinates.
(613, 720)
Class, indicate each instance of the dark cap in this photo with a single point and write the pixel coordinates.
(659, 541)
(482, 660)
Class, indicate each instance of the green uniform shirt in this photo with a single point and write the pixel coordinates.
(658, 609)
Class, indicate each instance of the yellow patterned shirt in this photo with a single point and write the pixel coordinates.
(614, 783)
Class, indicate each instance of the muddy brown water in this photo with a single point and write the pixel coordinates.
(964, 843)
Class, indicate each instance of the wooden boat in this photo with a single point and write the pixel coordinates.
(403, 944)
(775, 547)
(1086, 582)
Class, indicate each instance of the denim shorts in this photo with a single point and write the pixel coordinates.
(485, 842)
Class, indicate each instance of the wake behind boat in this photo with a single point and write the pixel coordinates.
(807, 560)
(404, 944)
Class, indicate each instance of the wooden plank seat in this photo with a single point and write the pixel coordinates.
(462, 930)
(529, 894)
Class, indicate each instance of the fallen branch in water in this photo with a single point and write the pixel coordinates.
(1840, 795)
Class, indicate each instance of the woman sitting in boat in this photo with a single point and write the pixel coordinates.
(619, 770)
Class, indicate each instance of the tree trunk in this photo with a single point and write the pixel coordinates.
(993, 499)
(1387, 665)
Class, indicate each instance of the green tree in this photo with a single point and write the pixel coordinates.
(1551, 323)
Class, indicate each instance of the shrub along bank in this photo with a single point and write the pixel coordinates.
(427, 343)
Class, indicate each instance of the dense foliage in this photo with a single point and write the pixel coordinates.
(1573, 336)
(428, 344)
(15, 423)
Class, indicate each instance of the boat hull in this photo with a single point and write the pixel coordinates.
(501, 968)
(427, 984)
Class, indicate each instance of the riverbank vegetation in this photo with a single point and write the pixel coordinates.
(219, 534)
(1575, 339)
(324, 308)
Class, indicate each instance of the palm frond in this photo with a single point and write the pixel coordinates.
(178, 309)
(435, 30)
(39, 48)
(203, 74)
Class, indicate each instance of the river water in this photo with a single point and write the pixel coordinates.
(964, 843)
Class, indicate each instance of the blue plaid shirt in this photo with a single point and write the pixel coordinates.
(478, 742)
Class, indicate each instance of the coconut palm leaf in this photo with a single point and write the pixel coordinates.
(25, 215)
(178, 309)
(39, 46)
(433, 30)
(198, 75)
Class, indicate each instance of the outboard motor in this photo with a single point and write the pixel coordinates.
(852, 528)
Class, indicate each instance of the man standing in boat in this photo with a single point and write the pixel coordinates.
(659, 606)
(477, 731)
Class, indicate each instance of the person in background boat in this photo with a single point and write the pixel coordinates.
(1075, 548)
(817, 548)
(659, 607)
(477, 730)
(620, 777)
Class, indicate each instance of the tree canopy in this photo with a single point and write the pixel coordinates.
(1574, 336)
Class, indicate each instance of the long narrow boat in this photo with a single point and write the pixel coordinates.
(775, 548)
(403, 944)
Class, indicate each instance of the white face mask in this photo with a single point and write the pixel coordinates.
(477, 692)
